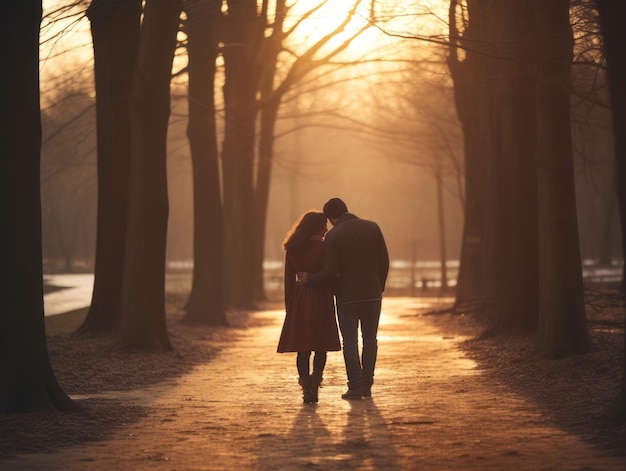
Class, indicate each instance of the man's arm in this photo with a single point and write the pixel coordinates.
(383, 260)
(328, 275)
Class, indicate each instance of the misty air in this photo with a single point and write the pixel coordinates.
(334, 235)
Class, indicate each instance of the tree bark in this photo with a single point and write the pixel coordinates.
(245, 35)
(471, 93)
(562, 325)
(611, 17)
(206, 302)
(443, 258)
(272, 46)
(479, 97)
(605, 252)
(495, 99)
(261, 76)
(269, 114)
(115, 28)
(143, 323)
(515, 203)
(27, 381)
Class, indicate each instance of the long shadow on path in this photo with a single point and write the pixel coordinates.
(243, 410)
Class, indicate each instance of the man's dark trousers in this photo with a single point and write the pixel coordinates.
(360, 370)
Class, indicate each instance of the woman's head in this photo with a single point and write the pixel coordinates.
(310, 224)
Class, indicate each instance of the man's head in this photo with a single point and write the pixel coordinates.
(334, 208)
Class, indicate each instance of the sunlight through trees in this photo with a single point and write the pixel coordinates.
(472, 130)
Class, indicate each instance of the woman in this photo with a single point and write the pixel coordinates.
(310, 323)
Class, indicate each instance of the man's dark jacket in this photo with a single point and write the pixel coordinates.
(356, 260)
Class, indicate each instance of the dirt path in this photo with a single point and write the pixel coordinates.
(431, 410)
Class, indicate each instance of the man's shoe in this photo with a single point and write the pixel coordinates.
(352, 394)
(367, 393)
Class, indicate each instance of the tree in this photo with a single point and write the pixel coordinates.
(115, 33)
(469, 92)
(142, 323)
(498, 262)
(252, 98)
(28, 382)
(418, 119)
(594, 163)
(513, 99)
(562, 325)
(269, 55)
(610, 15)
(68, 177)
(68, 168)
(242, 40)
(206, 301)
(272, 92)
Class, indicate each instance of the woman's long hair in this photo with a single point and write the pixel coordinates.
(299, 237)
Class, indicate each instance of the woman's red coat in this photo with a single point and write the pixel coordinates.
(310, 323)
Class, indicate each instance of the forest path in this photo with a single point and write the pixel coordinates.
(431, 410)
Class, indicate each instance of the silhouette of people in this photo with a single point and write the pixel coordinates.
(356, 263)
(310, 324)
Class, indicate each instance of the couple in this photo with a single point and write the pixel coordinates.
(351, 262)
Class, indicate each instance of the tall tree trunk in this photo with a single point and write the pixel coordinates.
(27, 382)
(272, 46)
(269, 114)
(143, 324)
(609, 211)
(115, 28)
(495, 104)
(442, 230)
(471, 93)
(562, 326)
(478, 96)
(612, 14)
(206, 300)
(245, 192)
(245, 35)
(515, 201)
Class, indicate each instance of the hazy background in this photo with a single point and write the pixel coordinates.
(354, 139)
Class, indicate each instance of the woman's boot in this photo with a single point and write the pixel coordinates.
(307, 396)
(316, 379)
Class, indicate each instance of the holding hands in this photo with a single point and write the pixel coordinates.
(302, 278)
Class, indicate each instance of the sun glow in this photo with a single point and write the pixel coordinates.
(372, 29)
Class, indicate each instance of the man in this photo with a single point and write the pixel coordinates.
(356, 263)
